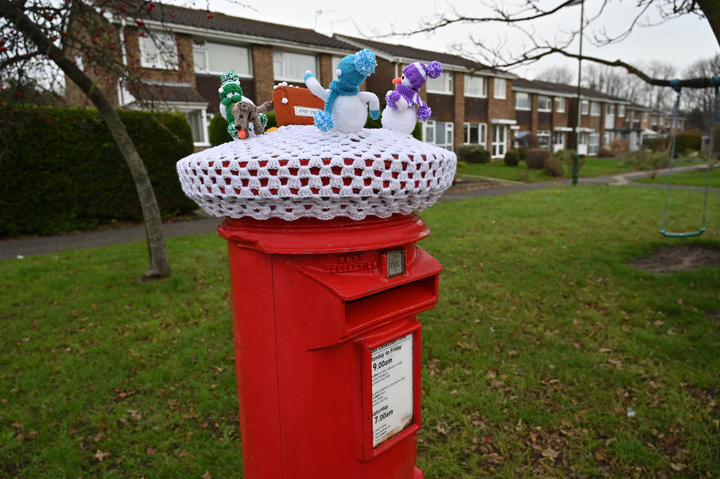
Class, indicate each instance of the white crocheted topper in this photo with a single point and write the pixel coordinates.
(298, 171)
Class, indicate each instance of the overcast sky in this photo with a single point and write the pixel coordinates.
(680, 41)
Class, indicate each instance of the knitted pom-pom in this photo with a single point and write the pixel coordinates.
(365, 62)
(323, 120)
(424, 112)
(434, 69)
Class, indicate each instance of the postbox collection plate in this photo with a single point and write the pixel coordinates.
(395, 262)
(392, 388)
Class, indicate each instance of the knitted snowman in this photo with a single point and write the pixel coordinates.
(400, 112)
(346, 107)
(230, 93)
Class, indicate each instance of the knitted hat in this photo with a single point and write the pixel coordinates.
(418, 72)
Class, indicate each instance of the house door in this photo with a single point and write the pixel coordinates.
(558, 140)
(499, 141)
(582, 143)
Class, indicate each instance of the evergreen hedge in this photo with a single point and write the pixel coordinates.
(60, 169)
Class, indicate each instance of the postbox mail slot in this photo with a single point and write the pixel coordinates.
(402, 300)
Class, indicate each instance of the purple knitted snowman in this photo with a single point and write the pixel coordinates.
(400, 113)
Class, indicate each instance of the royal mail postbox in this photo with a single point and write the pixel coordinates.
(327, 283)
(327, 344)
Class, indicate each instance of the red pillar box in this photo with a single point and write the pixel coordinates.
(327, 282)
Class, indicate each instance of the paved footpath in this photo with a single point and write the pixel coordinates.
(14, 248)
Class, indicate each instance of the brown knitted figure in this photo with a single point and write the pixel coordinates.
(245, 113)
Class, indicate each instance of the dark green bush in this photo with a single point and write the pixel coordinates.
(60, 169)
(473, 154)
(512, 158)
(656, 144)
(218, 130)
(688, 140)
(535, 158)
(566, 157)
(648, 160)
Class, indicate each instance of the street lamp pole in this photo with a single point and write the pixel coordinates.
(576, 156)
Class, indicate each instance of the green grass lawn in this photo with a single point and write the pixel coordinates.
(692, 178)
(544, 338)
(592, 167)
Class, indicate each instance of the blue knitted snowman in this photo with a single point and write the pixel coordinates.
(346, 107)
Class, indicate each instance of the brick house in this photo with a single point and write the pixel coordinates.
(550, 112)
(181, 70)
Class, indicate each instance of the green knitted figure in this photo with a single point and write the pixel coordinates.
(230, 93)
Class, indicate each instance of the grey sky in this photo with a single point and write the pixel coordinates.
(681, 41)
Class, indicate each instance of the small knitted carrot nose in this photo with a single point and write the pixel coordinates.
(242, 134)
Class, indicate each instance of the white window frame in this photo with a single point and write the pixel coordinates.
(482, 133)
(518, 96)
(595, 108)
(548, 103)
(610, 109)
(449, 129)
(496, 88)
(584, 107)
(545, 135)
(445, 79)
(168, 60)
(483, 88)
(593, 143)
(559, 104)
(499, 147)
(559, 135)
(621, 111)
(201, 47)
(280, 55)
(645, 117)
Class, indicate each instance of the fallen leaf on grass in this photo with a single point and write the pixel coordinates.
(183, 453)
(101, 455)
(207, 475)
(550, 453)
(149, 452)
(676, 466)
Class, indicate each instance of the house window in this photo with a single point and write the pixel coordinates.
(543, 137)
(584, 107)
(499, 140)
(559, 104)
(500, 89)
(621, 111)
(595, 109)
(559, 138)
(475, 86)
(335, 62)
(439, 134)
(158, 50)
(218, 58)
(475, 133)
(583, 138)
(442, 84)
(291, 66)
(610, 109)
(198, 125)
(645, 117)
(522, 101)
(544, 103)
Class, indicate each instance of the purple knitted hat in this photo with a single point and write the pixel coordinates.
(418, 72)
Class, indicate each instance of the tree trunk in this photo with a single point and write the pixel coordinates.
(159, 265)
(711, 9)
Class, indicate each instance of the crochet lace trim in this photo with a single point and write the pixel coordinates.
(298, 171)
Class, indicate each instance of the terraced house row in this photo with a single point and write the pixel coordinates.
(471, 103)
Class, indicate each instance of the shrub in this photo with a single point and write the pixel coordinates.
(618, 147)
(512, 158)
(688, 140)
(566, 158)
(535, 158)
(61, 170)
(648, 160)
(554, 167)
(656, 144)
(218, 130)
(473, 154)
(604, 153)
